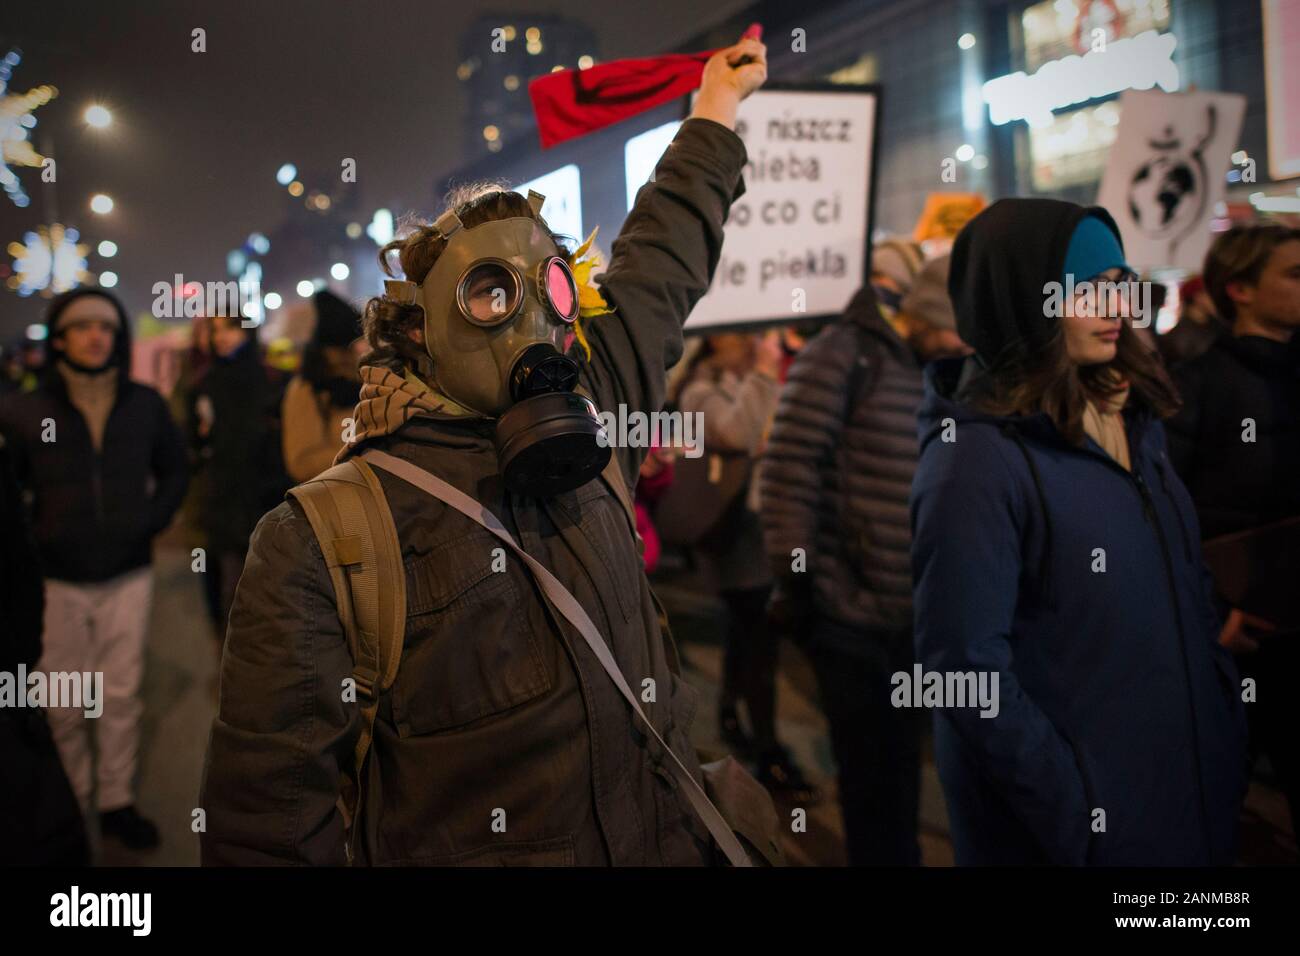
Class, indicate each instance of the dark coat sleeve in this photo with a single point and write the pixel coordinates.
(1183, 430)
(967, 514)
(660, 265)
(283, 733)
(805, 432)
(170, 468)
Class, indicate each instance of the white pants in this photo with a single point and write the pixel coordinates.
(99, 627)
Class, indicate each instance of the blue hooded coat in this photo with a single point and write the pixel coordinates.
(1119, 737)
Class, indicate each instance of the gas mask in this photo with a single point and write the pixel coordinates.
(498, 305)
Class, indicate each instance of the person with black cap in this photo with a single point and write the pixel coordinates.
(1054, 558)
(233, 424)
(319, 400)
(104, 468)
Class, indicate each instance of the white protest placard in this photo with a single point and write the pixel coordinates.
(795, 244)
(1166, 171)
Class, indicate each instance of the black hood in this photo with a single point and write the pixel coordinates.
(121, 357)
(1001, 261)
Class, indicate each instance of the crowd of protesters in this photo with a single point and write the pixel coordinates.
(946, 478)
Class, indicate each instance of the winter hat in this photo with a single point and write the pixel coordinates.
(899, 259)
(337, 323)
(1004, 262)
(928, 300)
(57, 320)
(1093, 249)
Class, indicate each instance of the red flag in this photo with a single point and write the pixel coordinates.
(572, 103)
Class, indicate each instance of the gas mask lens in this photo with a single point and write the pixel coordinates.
(489, 294)
(561, 290)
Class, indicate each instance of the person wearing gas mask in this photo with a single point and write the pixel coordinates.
(502, 738)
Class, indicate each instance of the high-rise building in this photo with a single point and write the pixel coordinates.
(499, 54)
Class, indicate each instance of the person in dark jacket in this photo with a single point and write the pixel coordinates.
(497, 712)
(835, 480)
(1236, 443)
(40, 821)
(1056, 570)
(233, 426)
(105, 470)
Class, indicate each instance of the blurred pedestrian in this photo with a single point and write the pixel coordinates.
(105, 468)
(733, 385)
(1054, 568)
(655, 476)
(320, 398)
(1197, 327)
(1236, 443)
(895, 264)
(835, 482)
(232, 428)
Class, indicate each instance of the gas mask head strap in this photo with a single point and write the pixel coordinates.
(448, 224)
(535, 201)
(402, 291)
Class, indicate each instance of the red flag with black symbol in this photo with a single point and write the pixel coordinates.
(572, 103)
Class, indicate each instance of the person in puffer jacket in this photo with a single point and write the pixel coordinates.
(1056, 564)
(835, 479)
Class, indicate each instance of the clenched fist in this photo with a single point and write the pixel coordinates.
(730, 75)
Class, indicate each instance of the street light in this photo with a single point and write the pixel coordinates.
(101, 204)
(108, 248)
(98, 116)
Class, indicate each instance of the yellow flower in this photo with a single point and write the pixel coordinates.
(590, 302)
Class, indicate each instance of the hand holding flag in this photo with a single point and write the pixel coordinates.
(571, 103)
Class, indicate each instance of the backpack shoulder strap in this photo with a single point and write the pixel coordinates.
(568, 607)
(349, 515)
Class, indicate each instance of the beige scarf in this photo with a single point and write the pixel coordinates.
(1104, 424)
(93, 396)
(388, 401)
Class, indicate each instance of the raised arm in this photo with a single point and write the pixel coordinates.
(663, 259)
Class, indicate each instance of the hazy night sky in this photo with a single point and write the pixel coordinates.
(191, 156)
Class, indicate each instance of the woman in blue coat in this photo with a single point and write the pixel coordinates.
(1055, 553)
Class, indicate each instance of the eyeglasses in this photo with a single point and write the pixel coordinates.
(492, 290)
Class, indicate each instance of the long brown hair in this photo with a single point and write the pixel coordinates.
(386, 324)
(1048, 381)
